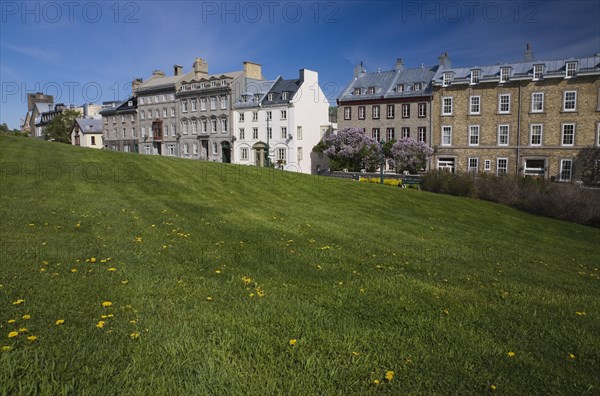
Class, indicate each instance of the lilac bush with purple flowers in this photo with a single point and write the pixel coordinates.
(351, 149)
(409, 155)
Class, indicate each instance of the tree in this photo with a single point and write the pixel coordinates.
(59, 129)
(351, 149)
(409, 155)
(587, 166)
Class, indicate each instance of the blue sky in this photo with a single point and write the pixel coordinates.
(83, 51)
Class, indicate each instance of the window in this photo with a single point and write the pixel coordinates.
(390, 134)
(473, 165)
(157, 113)
(504, 103)
(473, 135)
(405, 132)
(214, 144)
(166, 129)
(375, 112)
(223, 124)
(143, 132)
(361, 112)
(270, 132)
(535, 138)
(172, 111)
(390, 111)
(255, 116)
(255, 133)
(204, 126)
(537, 102)
(156, 99)
(570, 68)
(400, 88)
(376, 134)
(164, 111)
(195, 148)
(172, 96)
(213, 124)
(242, 134)
(422, 134)
(416, 86)
(568, 134)
(475, 105)
(184, 127)
(171, 150)
(284, 95)
(356, 91)
(202, 85)
(164, 98)
(487, 165)
(223, 102)
(173, 130)
(422, 110)
(184, 106)
(405, 110)
(371, 90)
(185, 149)
(270, 97)
(223, 83)
(93, 140)
(281, 155)
(123, 133)
(446, 79)
(132, 132)
(283, 114)
(503, 131)
(141, 100)
(193, 105)
(566, 170)
(122, 118)
(142, 114)
(446, 135)
(570, 101)
(299, 154)
(213, 84)
(347, 113)
(203, 104)
(132, 119)
(475, 74)
(299, 133)
(195, 127)
(504, 74)
(269, 116)
(502, 166)
(283, 132)
(447, 105)
(244, 154)
(213, 103)
(538, 71)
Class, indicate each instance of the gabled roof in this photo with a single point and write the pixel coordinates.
(253, 87)
(89, 125)
(43, 107)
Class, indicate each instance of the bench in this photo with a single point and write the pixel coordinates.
(412, 182)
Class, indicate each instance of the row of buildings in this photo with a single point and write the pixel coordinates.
(523, 118)
(526, 118)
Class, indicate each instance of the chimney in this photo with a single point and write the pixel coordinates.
(177, 70)
(158, 73)
(359, 69)
(528, 53)
(399, 64)
(200, 67)
(253, 70)
(135, 84)
(444, 60)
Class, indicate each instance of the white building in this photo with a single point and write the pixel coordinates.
(285, 118)
(87, 132)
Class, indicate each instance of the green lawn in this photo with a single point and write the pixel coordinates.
(213, 269)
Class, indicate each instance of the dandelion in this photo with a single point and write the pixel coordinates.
(217, 271)
(93, 260)
(100, 324)
(135, 335)
(31, 224)
(355, 353)
(13, 334)
(580, 313)
(77, 225)
(445, 312)
(246, 279)
(571, 356)
(11, 321)
(511, 354)
(389, 375)
(293, 341)
(133, 321)
(111, 269)
(376, 382)
(110, 315)
(23, 330)
(73, 270)
(493, 387)
(32, 338)
(18, 302)
(42, 269)
(124, 282)
(106, 304)
(138, 239)
(6, 348)
(26, 317)
(209, 298)
(59, 322)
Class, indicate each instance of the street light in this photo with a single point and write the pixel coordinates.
(382, 162)
(267, 154)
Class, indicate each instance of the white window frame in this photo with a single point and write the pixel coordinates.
(244, 153)
(223, 125)
(470, 167)
(574, 101)
(504, 168)
(422, 134)
(422, 110)
(347, 113)
(538, 72)
(361, 112)
(203, 104)
(390, 133)
(535, 101)
(405, 132)
(284, 132)
(504, 74)
(255, 133)
(541, 134)
(405, 110)
(501, 134)
(281, 154)
(213, 125)
(391, 111)
(446, 135)
(563, 135)
(449, 105)
(375, 112)
(213, 103)
(172, 111)
(475, 105)
(487, 165)
(475, 76)
(376, 134)
(283, 114)
(193, 105)
(223, 102)
(446, 79)
(562, 169)
(255, 116)
(270, 97)
(474, 134)
(269, 116)
(195, 148)
(284, 95)
(570, 69)
(299, 132)
(184, 106)
(500, 96)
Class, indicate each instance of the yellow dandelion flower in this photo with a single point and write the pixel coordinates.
(18, 302)
(42, 269)
(580, 313)
(31, 224)
(376, 382)
(45, 262)
(6, 348)
(511, 354)
(251, 294)
(100, 324)
(493, 387)
(110, 315)
(103, 261)
(124, 282)
(26, 317)
(293, 341)
(217, 271)
(135, 335)
(23, 330)
(106, 304)
(355, 353)
(92, 259)
(32, 338)
(389, 375)
(77, 225)
(111, 269)
(209, 298)
(11, 321)
(133, 321)
(571, 356)
(73, 270)
(138, 239)
(246, 279)
(59, 322)
(445, 312)
(13, 334)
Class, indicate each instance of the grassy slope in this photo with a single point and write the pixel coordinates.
(436, 288)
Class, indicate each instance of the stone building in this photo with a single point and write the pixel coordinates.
(119, 126)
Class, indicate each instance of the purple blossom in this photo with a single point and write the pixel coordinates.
(351, 148)
(408, 154)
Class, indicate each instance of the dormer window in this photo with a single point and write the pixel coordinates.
(284, 96)
(570, 69)
(202, 85)
(130, 103)
(256, 97)
(538, 71)
(223, 83)
(446, 79)
(400, 88)
(213, 83)
(270, 97)
(356, 91)
(475, 76)
(417, 87)
(504, 74)
(371, 90)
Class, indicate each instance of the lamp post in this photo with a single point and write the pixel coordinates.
(267, 153)
(382, 162)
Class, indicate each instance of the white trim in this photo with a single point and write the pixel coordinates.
(444, 113)
(449, 129)
(471, 134)
(561, 162)
(562, 134)
(478, 104)
(531, 135)
(507, 134)
(564, 106)
(533, 109)
(500, 103)
(498, 166)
